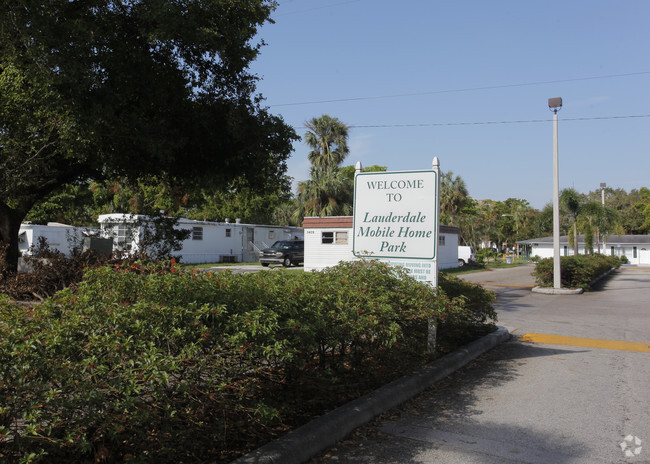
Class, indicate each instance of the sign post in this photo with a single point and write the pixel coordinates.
(396, 220)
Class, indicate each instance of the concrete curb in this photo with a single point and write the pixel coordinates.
(305, 442)
(557, 291)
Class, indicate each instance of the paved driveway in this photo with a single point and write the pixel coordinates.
(534, 402)
(509, 277)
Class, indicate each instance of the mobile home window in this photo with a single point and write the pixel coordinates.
(197, 233)
(327, 237)
(566, 251)
(612, 251)
(124, 236)
(228, 232)
(340, 238)
(441, 240)
(634, 252)
(271, 234)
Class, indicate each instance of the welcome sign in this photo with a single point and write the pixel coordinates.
(396, 215)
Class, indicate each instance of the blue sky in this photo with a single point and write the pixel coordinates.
(433, 76)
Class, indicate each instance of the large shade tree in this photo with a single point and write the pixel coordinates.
(107, 88)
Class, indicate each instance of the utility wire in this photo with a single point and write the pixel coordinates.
(469, 89)
(484, 123)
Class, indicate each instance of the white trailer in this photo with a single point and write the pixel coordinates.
(208, 242)
(61, 237)
(328, 241)
(636, 248)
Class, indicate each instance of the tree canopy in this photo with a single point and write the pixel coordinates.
(328, 139)
(108, 88)
(330, 190)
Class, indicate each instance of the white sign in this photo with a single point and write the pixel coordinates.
(396, 215)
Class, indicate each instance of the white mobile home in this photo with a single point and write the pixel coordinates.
(328, 240)
(61, 237)
(636, 248)
(209, 242)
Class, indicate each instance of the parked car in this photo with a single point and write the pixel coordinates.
(466, 255)
(285, 252)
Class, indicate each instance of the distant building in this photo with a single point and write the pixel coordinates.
(209, 242)
(636, 248)
(328, 240)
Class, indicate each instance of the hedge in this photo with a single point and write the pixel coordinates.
(154, 364)
(576, 271)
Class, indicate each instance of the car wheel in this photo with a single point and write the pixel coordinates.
(287, 262)
(265, 264)
(461, 263)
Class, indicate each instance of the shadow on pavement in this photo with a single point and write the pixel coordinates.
(444, 419)
(511, 301)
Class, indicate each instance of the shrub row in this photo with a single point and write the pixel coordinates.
(154, 364)
(51, 270)
(576, 271)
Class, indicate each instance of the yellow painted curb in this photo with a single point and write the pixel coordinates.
(587, 342)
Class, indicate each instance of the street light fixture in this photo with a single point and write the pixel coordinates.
(554, 105)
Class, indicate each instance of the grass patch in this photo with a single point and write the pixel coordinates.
(503, 264)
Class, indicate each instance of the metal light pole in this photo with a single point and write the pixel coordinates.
(554, 105)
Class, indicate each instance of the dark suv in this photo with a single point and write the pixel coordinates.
(285, 252)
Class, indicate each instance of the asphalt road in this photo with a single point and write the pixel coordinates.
(533, 402)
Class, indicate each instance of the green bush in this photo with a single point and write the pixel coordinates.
(154, 364)
(484, 255)
(474, 322)
(576, 271)
(477, 301)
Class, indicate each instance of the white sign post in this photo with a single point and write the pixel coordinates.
(396, 219)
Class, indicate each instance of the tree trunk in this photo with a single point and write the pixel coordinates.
(575, 236)
(10, 220)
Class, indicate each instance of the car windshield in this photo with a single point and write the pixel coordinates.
(282, 245)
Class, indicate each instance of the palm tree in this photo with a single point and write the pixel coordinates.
(328, 139)
(283, 214)
(327, 193)
(601, 217)
(571, 201)
(453, 196)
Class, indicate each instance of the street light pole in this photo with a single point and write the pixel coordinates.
(554, 105)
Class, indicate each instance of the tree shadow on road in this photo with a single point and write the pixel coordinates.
(456, 396)
(438, 415)
(513, 300)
